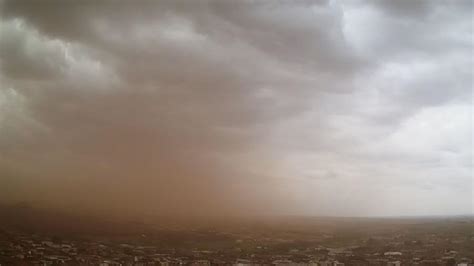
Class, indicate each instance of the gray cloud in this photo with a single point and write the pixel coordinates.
(225, 107)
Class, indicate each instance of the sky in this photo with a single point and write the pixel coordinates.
(334, 108)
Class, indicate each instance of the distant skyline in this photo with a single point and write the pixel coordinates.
(319, 108)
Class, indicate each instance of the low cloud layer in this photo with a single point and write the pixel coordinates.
(225, 107)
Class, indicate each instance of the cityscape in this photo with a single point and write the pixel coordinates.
(322, 241)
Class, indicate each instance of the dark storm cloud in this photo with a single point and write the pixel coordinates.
(184, 107)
